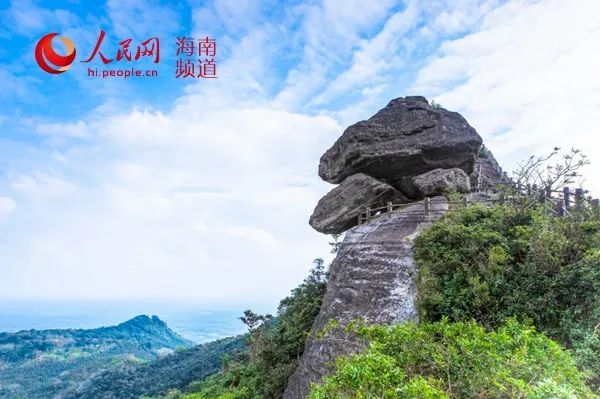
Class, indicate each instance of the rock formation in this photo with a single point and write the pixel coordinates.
(487, 173)
(405, 152)
(339, 209)
(400, 145)
(406, 138)
(371, 280)
(440, 181)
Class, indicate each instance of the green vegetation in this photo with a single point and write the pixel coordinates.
(174, 371)
(446, 360)
(491, 264)
(45, 364)
(275, 345)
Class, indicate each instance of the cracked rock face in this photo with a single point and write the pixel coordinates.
(405, 139)
(371, 279)
(441, 181)
(338, 211)
(487, 173)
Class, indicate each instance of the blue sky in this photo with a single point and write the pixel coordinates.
(200, 190)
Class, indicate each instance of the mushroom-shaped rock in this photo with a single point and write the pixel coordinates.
(441, 181)
(338, 210)
(405, 139)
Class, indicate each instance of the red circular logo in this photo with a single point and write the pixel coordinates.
(49, 60)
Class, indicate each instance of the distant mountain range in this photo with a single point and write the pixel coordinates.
(56, 364)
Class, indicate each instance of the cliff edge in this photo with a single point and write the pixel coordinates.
(371, 280)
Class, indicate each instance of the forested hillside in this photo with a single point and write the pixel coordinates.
(41, 364)
(275, 345)
(174, 371)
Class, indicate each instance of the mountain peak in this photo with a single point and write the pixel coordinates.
(144, 321)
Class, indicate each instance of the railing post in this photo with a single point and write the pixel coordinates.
(502, 198)
(578, 196)
(541, 196)
(360, 219)
(548, 192)
(426, 206)
(389, 208)
(528, 189)
(368, 213)
(560, 207)
(567, 197)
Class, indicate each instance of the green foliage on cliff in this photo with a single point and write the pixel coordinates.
(275, 345)
(490, 264)
(460, 360)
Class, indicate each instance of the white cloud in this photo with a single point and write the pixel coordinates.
(197, 206)
(461, 15)
(74, 129)
(374, 56)
(40, 185)
(382, 66)
(254, 235)
(17, 87)
(141, 19)
(26, 18)
(526, 80)
(209, 199)
(7, 205)
(330, 33)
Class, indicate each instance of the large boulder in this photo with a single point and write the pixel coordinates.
(338, 211)
(441, 181)
(405, 139)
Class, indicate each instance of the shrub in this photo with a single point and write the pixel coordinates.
(490, 264)
(460, 360)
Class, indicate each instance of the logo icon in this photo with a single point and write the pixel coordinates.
(49, 60)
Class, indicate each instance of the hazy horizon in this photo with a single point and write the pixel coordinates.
(196, 322)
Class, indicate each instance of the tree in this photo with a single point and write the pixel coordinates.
(335, 244)
(254, 320)
(275, 345)
(551, 172)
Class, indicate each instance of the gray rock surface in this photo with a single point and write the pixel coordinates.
(406, 138)
(338, 211)
(487, 173)
(441, 181)
(371, 279)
